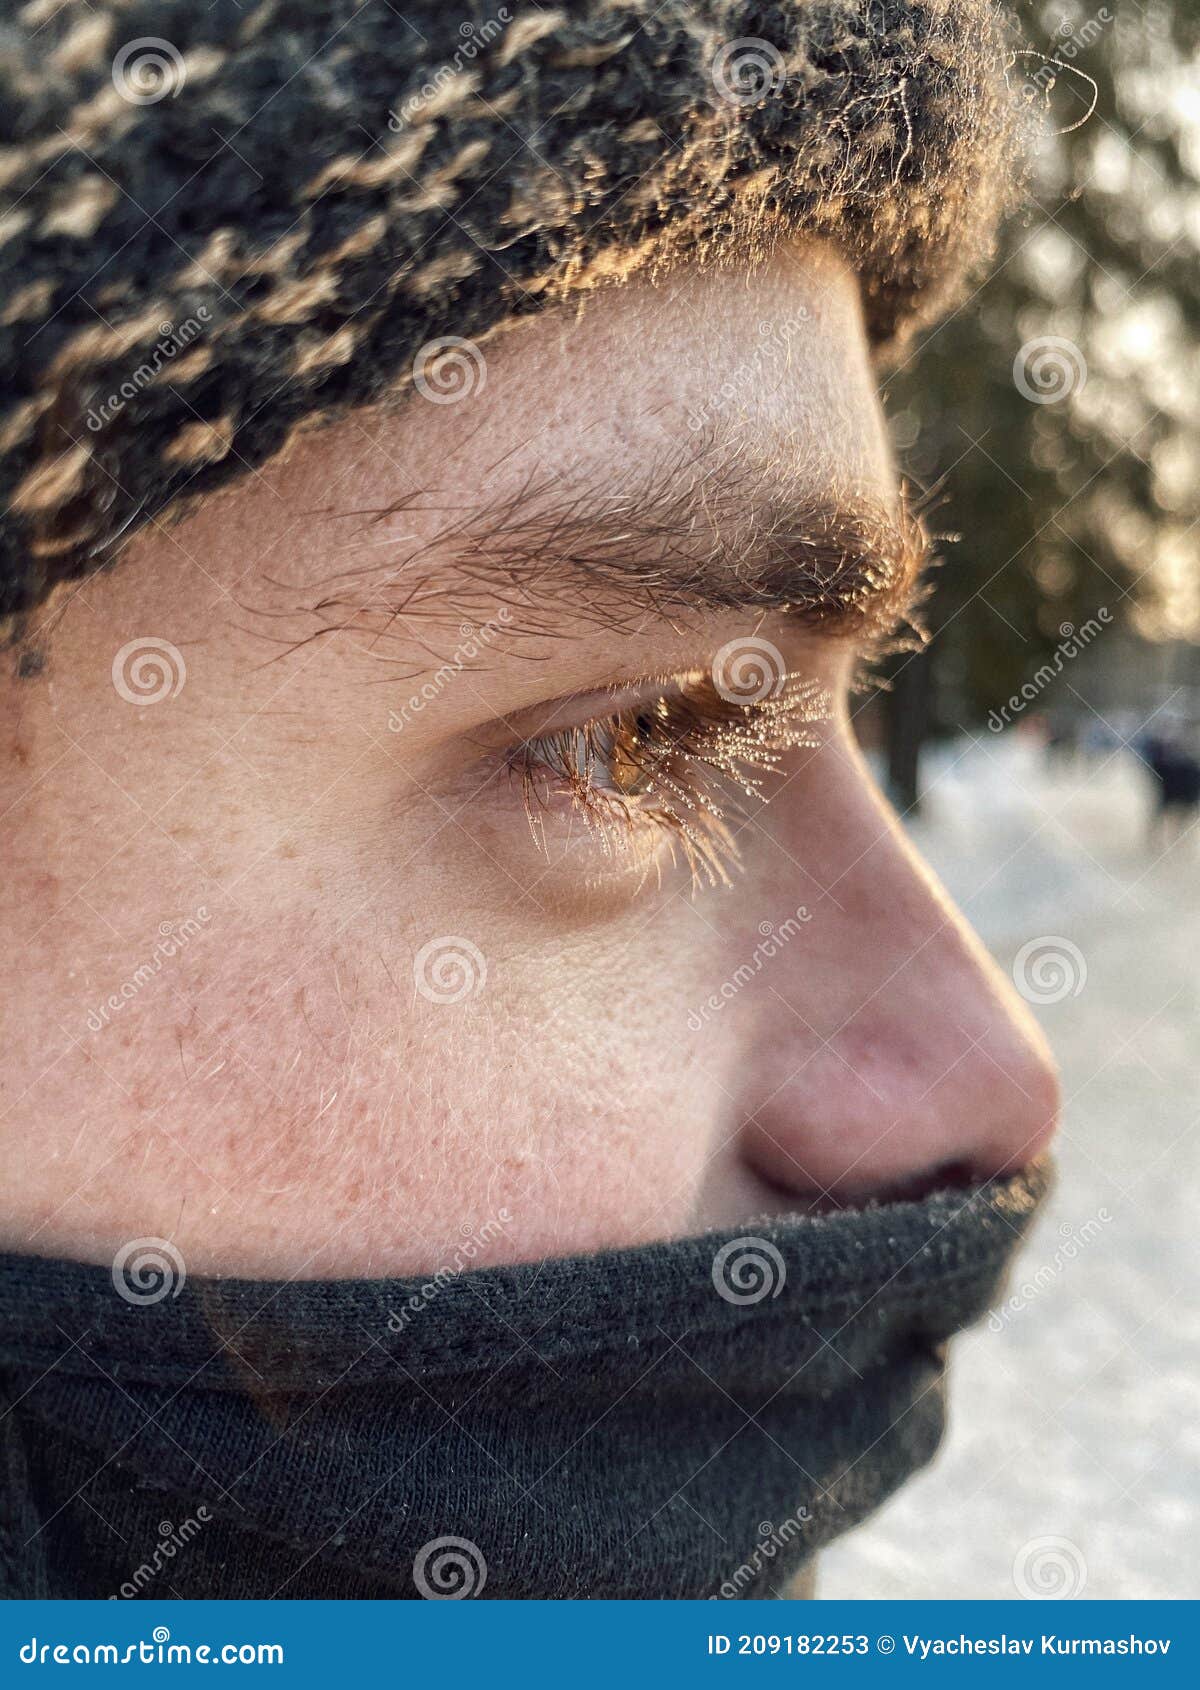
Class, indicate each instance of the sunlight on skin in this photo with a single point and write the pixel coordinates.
(285, 1094)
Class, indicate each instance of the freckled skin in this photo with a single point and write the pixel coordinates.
(278, 1095)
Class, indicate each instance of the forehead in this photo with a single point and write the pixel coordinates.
(771, 359)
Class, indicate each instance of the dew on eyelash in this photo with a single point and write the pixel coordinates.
(740, 751)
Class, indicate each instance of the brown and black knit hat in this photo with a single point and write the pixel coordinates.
(225, 223)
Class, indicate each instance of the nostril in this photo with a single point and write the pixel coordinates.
(957, 1175)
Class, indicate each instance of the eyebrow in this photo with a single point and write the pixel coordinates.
(698, 534)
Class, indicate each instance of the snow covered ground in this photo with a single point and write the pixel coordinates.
(1072, 1464)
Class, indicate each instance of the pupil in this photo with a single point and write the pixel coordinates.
(629, 773)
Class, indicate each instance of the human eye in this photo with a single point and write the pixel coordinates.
(664, 776)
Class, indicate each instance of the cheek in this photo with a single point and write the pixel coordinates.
(296, 1103)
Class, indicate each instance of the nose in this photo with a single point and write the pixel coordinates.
(888, 1053)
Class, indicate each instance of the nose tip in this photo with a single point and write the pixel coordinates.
(1021, 1134)
(905, 1096)
(889, 1053)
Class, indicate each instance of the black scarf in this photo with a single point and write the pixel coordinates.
(687, 1419)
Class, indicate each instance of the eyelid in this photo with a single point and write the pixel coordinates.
(578, 709)
(696, 750)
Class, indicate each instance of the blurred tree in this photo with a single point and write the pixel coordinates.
(1060, 408)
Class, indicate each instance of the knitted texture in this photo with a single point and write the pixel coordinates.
(682, 1419)
(225, 223)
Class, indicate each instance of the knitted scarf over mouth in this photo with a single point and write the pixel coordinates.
(221, 225)
(686, 1419)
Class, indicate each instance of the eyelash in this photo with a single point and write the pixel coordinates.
(676, 769)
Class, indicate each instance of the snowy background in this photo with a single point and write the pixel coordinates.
(1072, 1463)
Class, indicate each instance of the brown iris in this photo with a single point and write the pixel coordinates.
(637, 745)
(672, 767)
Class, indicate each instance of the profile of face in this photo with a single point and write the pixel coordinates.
(455, 831)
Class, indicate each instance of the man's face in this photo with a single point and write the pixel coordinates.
(426, 903)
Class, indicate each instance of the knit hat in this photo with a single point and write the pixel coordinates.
(223, 224)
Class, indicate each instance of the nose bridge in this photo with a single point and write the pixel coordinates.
(890, 1051)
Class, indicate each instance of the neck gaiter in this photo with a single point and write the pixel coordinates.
(689, 1419)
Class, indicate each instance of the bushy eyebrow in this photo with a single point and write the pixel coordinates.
(668, 543)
